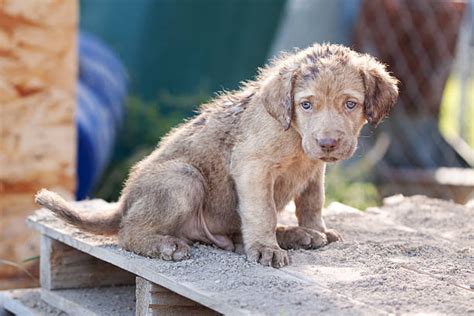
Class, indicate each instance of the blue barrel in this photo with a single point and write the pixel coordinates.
(101, 92)
(102, 72)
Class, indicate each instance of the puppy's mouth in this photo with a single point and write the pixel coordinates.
(342, 153)
(329, 159)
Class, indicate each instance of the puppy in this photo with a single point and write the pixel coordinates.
(222, 177)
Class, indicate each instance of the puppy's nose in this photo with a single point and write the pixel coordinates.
(327, 144)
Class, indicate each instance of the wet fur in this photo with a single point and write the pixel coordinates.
(221, 177)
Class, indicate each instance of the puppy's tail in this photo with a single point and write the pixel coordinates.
(103, 222)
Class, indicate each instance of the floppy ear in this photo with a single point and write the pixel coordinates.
(381, 91)
(277, 96)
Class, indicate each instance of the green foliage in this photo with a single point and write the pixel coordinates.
(347, 186)
(145, 124)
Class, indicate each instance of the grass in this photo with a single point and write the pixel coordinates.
(21, 267)
(451, 122)
(345, 185)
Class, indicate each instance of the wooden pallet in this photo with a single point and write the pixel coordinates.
(83, 273)
(395, 260)
(84, 277)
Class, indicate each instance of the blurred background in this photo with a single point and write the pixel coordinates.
(88, 88)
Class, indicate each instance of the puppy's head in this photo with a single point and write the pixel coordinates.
(327, 93)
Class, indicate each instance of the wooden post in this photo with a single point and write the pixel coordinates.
(153, 299)
(63, 267)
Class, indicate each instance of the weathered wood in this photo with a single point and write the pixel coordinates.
(11, 304)
(103, 301)
(38, 75)
(137, 265)
(63, 267)
(25, 302)
(455, 184)
(70, 307)
(153, 299)
(15, 307)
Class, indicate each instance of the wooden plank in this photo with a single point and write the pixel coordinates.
(103, 301)
(70, 307)
(62, 267)
(135, 264)
(25, 302)
(447, 183)
(153, 299)
(143, 297)
(16, 307)
(248, 295)
(181, 310)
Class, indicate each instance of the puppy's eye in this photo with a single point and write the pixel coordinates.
(306, 105)
(350, 105)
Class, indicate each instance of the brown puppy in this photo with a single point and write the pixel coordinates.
(222, 177)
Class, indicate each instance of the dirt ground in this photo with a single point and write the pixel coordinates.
(412, 255)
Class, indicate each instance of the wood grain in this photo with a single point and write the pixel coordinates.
(38, 74)
(64, 267)
(153, 299)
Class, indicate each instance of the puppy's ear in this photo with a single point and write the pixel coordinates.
(381, 91)
(277, 95)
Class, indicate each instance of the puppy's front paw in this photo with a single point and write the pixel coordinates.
(333, 235)
(268, 255)
(296, 237)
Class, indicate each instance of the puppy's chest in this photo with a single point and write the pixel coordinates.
(293, 179)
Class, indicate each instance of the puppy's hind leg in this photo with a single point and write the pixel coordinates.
(161, 200)
(155, 245)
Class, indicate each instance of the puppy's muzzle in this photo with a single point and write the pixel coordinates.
(328, 144)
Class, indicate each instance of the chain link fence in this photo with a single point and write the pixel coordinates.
(426, 145)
